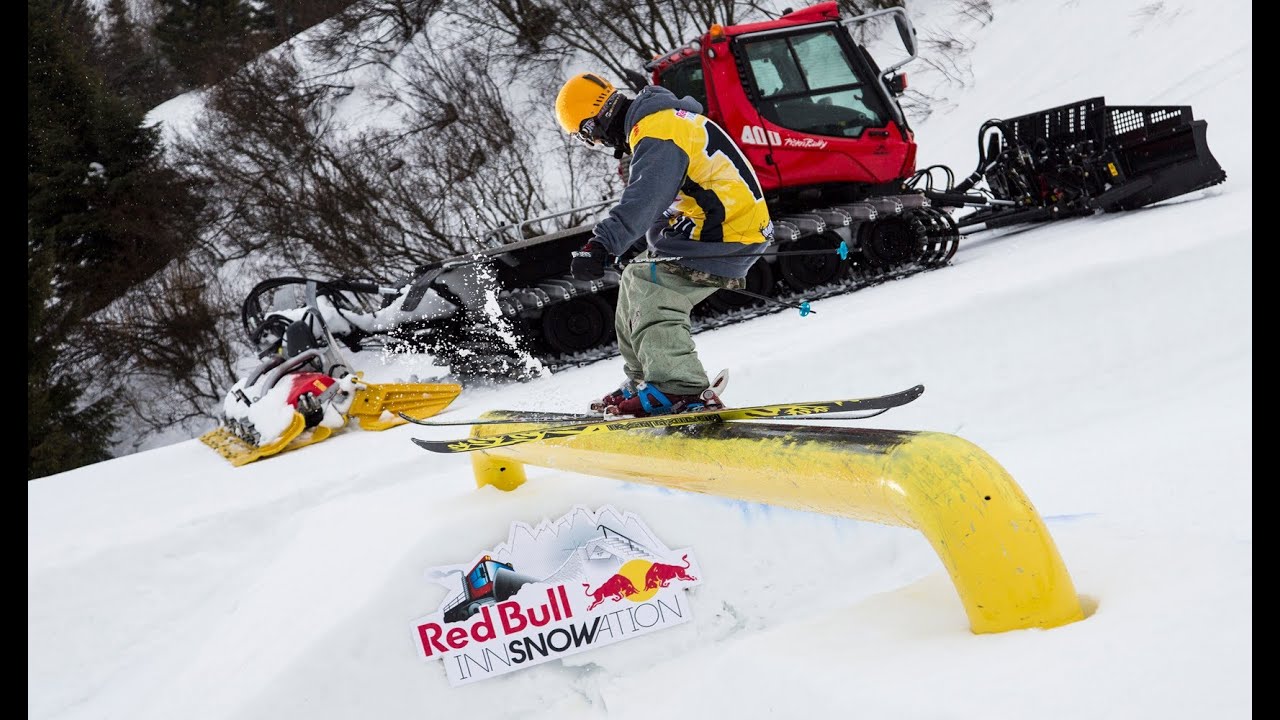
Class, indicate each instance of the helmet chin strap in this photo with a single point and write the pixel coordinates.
(613, 134)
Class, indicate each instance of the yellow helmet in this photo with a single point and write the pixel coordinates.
(581, 99)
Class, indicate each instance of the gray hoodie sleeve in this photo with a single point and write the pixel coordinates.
(657, 171)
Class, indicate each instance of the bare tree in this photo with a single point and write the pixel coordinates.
(622, 35)
(163, 352)
(288, 182)
(947, 53)
(980, 11)
(278, 182)
(372, 32)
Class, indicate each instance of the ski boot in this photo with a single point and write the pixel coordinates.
(625, 391)
(649, 400)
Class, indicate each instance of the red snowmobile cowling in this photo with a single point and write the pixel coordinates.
(308, 382)
(805, 103)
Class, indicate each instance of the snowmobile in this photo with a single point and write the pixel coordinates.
(303, 390)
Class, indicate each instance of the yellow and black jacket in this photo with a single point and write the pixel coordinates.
(691, 193)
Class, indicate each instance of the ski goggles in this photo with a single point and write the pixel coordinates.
(593, 129)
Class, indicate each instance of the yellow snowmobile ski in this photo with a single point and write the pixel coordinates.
(378, 406)
(310, 437)
(241, 452)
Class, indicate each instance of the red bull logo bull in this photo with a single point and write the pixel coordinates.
(661, 575)
(638, 580)
(617, 587)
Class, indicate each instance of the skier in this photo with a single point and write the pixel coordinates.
(691, 194)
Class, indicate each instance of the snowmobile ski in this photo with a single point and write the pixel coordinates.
(239, 451)
(756, 412)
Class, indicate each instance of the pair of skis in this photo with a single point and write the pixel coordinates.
(559, 426)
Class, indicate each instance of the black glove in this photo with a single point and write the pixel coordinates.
(588, 263)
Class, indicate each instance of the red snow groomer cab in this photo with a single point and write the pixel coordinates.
(809, 108)
(820, 122)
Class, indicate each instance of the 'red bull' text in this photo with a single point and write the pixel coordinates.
(512, 618)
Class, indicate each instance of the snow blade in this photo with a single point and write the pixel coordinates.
(1076, 159)
(1146, 153)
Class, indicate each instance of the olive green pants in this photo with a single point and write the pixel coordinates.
(654, 334)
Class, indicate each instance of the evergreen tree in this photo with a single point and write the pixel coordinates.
(61, 435)
(205, 40)
(104, 213)
(294, 16)
(97, 188)
(130, 63)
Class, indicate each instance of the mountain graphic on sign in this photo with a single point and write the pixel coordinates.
(559, 550)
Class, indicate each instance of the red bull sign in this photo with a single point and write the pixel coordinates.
(564, 586)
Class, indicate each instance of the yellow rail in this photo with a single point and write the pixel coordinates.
(992, 541)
